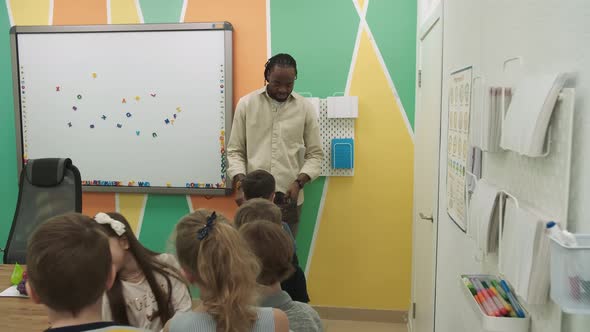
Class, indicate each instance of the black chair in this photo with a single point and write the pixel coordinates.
(48, 188)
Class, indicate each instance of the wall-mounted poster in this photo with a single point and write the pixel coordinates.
(458, 144)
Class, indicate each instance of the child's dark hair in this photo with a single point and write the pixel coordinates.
(281, 59)
(149, 265)
(69, 262)
(258, 184)
(257, 209)
(274, 249)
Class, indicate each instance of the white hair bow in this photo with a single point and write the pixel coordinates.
(116, 225)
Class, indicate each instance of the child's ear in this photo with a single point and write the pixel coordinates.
(188, 275)
(272, 197)
(124, 242)
(111, 277)
(32, 294)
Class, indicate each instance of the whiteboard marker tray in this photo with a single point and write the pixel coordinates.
(491, 323)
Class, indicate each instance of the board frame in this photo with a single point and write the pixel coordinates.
(114, 28)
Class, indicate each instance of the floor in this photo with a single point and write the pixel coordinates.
(355, 326)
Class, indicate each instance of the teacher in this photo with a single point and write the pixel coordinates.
(276, 129)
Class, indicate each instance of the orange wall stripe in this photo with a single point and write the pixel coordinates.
(92, 203)
(224, 205)
(79, 12)
(249, 21)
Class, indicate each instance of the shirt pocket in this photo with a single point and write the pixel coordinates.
(292, 133)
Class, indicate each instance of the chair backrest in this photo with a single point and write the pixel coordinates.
(48, 188)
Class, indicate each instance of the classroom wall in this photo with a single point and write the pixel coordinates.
(549, 35)
(354, 240)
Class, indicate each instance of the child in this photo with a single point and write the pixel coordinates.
(259, 184)
(257, 209)
(262, 209)
(149, 288)
(69, 267)
(215, 258)
(274, 250)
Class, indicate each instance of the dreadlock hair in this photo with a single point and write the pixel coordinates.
(281, 59)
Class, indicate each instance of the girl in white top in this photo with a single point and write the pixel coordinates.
(149, 288)
(215, 258)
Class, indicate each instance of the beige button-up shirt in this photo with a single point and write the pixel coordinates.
(281, 138)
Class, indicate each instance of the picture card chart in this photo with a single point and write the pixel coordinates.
(458, 144)
(130, 108)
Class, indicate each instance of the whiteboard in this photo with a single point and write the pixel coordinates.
(138, 108)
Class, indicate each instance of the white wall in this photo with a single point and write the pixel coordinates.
(549, 35)
(425, 9)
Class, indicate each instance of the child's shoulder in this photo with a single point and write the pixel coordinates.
(96, 327)
(167, 259)
(304, 318)
(185, 321)
(121, 328)
(304, 307)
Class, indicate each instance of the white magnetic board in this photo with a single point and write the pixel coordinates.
(140, 108)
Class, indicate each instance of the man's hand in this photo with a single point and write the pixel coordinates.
(296, 186)
(293, 192)
(239, 198)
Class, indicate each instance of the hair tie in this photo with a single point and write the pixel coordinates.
(104, 219)
(203, 232)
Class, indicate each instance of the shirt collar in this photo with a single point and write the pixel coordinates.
(276, 300)
(262, 90)
(83, 327)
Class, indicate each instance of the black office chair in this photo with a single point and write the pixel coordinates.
(48, 188)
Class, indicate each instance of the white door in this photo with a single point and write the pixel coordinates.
(426, 155)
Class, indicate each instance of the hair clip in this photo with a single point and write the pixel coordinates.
(203, 232)
(105, 219)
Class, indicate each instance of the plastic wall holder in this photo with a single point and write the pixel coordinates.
(342, 153)
(491, 323)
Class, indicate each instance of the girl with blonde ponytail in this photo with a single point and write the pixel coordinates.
(216, 259)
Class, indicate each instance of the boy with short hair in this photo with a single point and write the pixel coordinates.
(274, 251)
(259, 191)
(69, 267)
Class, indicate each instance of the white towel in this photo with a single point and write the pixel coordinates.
(525, 253)
(480, 221)
(525, 126)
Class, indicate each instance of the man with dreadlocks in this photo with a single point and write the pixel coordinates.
(276, 130)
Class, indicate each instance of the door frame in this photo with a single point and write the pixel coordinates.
(435, 16)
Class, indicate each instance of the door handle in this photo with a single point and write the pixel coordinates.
(424, 217)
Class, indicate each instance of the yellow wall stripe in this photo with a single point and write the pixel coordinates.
(361, 4)
(132, 207)
(29, 12)
(363, 253)
(124, 12)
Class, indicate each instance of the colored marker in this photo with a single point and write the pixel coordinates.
(474, 293)
(506, 305)
(498, 289)
(489, 309)
(469, 286)
(509, 293)
(496, 284)
(513, 301)
(503, 310)
(496, 310)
